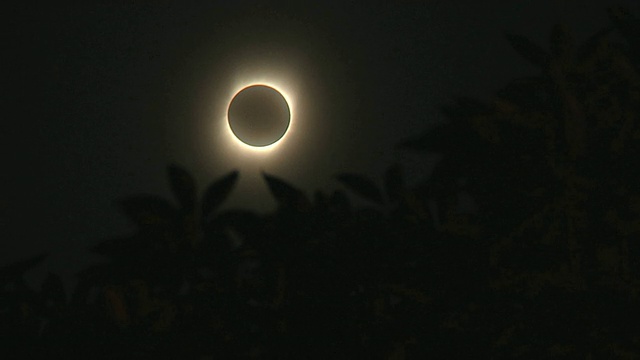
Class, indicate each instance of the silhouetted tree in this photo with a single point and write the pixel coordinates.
(546, 267)
(552, 163)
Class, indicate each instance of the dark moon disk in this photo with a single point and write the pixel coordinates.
(259, 115)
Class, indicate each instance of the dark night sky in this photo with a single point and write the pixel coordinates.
(102, 97)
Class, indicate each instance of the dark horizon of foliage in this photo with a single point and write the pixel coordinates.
(547, 267)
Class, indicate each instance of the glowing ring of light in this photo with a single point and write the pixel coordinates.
(287, 97)
(239, 127)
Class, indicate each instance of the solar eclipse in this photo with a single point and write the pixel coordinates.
(259, 115)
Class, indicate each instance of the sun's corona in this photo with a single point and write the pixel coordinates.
(259, 116)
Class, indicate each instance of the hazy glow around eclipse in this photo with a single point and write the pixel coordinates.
(198, 133)
(283, 70)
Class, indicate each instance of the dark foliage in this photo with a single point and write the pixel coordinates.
(287, 196)
(547, 267)
(183, 186)
(217, 192)
(361, 186)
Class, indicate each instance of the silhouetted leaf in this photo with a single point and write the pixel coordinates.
(183, 186)
(149, 210)
(361, 186)
(286, 195)
(529, 50)
(218, 192)
(393, 182)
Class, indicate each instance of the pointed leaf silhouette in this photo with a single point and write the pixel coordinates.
(286, 195)
(529, 50)
(183, 186)
(218, 192)
(361, 186)
(393, 182)
(149, 210)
